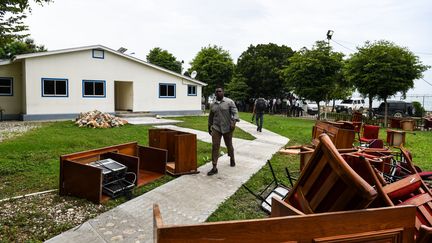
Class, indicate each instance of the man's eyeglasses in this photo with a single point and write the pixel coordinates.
(217, 91)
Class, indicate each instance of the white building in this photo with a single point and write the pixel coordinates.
(60, 84)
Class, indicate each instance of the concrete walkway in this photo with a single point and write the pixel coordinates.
(189, 199)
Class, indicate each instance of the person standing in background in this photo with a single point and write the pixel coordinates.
(258, 112)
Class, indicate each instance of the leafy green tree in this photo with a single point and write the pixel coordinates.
(20, 47)
(12, 14)
(164, 59)
(314, 74)
(419, 111)
(382, 69)
(214, 66)
(261, 67)
(237, 89)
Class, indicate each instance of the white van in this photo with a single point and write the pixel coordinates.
(310, 107)
(349, 105)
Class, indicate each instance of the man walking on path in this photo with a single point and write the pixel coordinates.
(221, 123)
(258, 112)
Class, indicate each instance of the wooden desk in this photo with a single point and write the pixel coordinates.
(79, 179)
(341, 134)
(181, 147)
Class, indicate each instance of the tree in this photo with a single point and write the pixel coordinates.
(214, 67)
(314, 74)
(382, 69)
(164, 59)
(237, 89)
(261, 67)
(12, 14)
(20, 47)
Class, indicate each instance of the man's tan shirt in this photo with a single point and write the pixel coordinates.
(222, 114)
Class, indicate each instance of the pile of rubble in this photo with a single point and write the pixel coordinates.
(97, 119)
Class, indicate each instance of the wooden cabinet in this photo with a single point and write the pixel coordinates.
(395, 138)
(79, 179)
(182, 149)
(341, 134)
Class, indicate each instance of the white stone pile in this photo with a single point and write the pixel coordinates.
(98, 119)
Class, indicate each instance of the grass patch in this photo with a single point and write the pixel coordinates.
(201, 123)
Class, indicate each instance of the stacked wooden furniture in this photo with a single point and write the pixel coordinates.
(328, 184)
(360, 226)
(411, 190)
(342, 134)
(182, 149)
(79, 179)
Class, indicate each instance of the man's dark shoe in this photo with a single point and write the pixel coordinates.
(212, 172)
(232, 163)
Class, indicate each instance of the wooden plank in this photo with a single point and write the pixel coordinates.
(295, 228)
(400, 184)
(280, 208)
(82, 181)
(327, 185)
(152, 159)
(186, 153)
(146, 177)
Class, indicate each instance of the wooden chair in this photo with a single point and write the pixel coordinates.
(372, 225)
(357, 120)
(369, 136)
(327, 183)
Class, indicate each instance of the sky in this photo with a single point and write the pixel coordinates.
(184, 27)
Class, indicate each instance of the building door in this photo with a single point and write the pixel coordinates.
(123, 95)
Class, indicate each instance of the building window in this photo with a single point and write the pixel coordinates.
(100, 54)
(192, 90)
(54, 87)
(94, 88)
(167, 90)
(6, 86)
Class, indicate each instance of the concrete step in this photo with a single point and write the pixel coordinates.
(134, 114)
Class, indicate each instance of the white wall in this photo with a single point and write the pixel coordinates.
(78, 66)
(12, 104)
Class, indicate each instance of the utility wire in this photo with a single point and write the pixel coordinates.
(343, 46)
(427, 82)
(419, 52)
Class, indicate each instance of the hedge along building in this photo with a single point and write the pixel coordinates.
(60, 84)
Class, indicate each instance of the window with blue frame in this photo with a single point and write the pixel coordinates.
(6, 86)
(167, 90)
(99, 54)
(94, 88)
(54, 87)
(192, 90)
